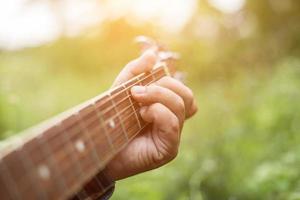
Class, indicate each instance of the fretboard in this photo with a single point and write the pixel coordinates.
(62, 154)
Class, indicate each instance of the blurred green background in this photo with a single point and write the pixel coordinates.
(243, 66)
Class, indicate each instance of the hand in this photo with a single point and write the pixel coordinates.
(166, 104)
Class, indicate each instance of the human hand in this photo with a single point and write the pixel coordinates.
(166, 105)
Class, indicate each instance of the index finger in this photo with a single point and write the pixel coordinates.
(142, 64)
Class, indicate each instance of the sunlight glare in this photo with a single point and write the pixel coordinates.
(24, 24)
(228, 6)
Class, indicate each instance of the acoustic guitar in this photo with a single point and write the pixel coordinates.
(63, 158)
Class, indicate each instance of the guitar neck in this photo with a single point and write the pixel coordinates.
(62, 154)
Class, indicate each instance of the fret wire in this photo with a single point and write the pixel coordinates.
(99, 116)
(72, 152)
(153, 77)
(52, 162)
(157, 70)
(105, 122)
(98, 183)
(32, 170)
(40, 192)
(95, 154)
(87, 134)
(139, 80)
(131, 104)
(127, 97)
(140, 83)
(130, 116)
(126, 117)
(67, 142)
(9, 182)
(83, 193)
(118, 116)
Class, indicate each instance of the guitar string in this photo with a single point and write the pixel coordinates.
(139, 81)
(107, 158)
(111, 107)
(108, 109)
(152, 74)
(120, 120)
(67, 153)
(135, 110)
(105, 122)
(92, 132)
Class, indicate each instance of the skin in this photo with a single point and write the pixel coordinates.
(166, 104)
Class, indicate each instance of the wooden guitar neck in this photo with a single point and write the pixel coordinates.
(63, 154)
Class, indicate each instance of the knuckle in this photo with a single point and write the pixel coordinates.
(155, 90)
(180, 105)
(190, 94)
(158, 110)
(174, 125)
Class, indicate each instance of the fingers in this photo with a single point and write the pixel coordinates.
(147, 95)
(168, 129)
(183, 91)
(142, 64)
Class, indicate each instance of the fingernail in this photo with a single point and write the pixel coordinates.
(138, 89)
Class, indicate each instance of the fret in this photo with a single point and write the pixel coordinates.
(158, 73)
(72, 127)
(136, 107)
(4, 187)
(131, 104)
(147, 79)
(98, 133)
(60, 151)
(128, 116)
(33, 177)
(153, 77)
(56, 182)
(58, 185)
(66, 164)
(89, 140)
(120, 101)
(8, 182)
(80, 147)
(82, 195)
(94, 185)
(131, 83)
(67, 154)
(19, 174)
(110, 122)
(131, 125)
(139, 82)
(64, 157)
(56, 144)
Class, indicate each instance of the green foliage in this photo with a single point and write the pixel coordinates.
(243, 143)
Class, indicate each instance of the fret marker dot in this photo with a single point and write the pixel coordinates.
(80, 146)
(44, 172)
(112, 123)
